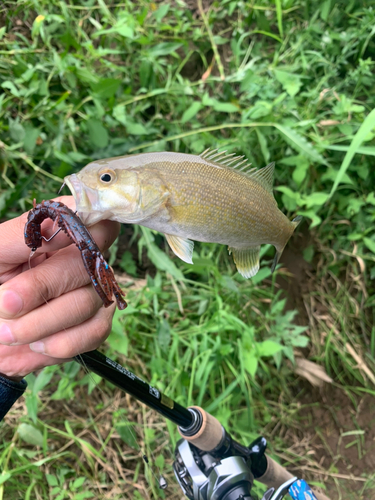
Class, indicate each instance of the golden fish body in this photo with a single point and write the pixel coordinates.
(187, 197)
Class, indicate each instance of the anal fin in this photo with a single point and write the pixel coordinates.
(247, 260)
(182, 247)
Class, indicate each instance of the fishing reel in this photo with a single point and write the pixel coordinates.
(203, 477)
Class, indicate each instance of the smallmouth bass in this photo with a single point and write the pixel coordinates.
(213, 198)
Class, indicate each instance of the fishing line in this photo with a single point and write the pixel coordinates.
(150, 464)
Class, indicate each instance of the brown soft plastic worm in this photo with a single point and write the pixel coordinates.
(100, 273)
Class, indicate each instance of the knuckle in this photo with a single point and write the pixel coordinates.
(51, 284)
(102, 327)
(41, 284)
(88, 302)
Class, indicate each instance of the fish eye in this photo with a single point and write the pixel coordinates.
(107, 177)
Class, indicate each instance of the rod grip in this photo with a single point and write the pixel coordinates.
(276, 475)
(210, 433)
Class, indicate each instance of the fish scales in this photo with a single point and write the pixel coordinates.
(219, 206)
(187, 197)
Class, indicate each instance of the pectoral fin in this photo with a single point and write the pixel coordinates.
(182, 247)
(247, 260)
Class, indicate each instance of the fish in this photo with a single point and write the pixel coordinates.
(214, 198)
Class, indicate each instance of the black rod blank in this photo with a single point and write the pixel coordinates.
(132, 384)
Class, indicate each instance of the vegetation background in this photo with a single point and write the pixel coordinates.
(275, 80)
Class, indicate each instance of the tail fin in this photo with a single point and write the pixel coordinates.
(295, 223)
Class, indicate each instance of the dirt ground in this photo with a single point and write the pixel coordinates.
(336, 424)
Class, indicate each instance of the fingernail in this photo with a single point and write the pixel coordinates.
(10, 303)
(6, 336)
(38, 347)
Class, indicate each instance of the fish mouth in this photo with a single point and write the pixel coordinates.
(87, 201)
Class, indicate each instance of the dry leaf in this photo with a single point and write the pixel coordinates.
(312, 372)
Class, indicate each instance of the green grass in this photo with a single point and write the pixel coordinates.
(283, 81)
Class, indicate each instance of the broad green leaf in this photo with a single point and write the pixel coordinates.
(136, 129)
(290, 82)
(4, 476)
(159, 258)
(16, 130)
(77, 483)
(76, 156)
(121, 28)
(29, 141)
(163, 49)
(118, 339)
(260, 109)
(300, 341)
(331, 175)
(125, 31)
(119, 113)
(250, 362)
(371, 198)
(225, 107)
(86, 76)
(30, 434)
(268, 348)
(308, 253)
(97, 133)
(32, 406)
(161, 12)
(127, 434)
(10, 85)
(52, 479)
(315, 199)
(83, 495)
(359, 137)
(128, 264)
(293, 197)
(262, 274)
(220, 40)
(311, 214)
(299, 143)
(160, 461)
(42, 380)
(191, 111)
(299, 173)
(325, 9)
(370, 244)
(106, 87)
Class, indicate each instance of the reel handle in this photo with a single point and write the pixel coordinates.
(276, 475)
(209, 436)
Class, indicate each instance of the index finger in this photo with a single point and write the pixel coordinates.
(13, 250)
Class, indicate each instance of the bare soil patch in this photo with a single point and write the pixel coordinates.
(336, 424)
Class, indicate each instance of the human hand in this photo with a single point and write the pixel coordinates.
(33, 333)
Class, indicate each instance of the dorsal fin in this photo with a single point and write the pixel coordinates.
(264, 176)
(227, 160)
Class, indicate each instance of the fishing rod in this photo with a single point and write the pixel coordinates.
(209, 464)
